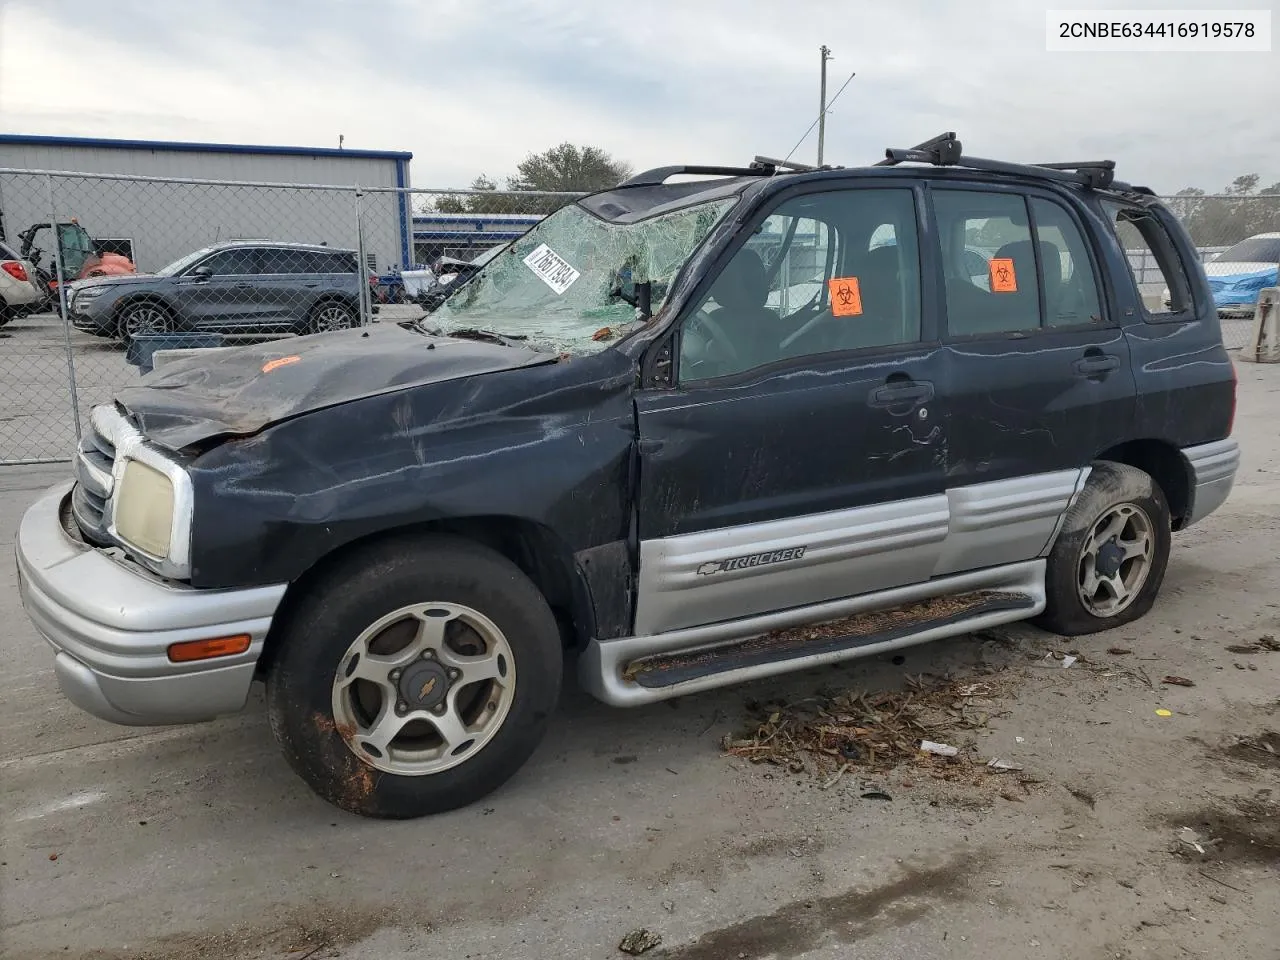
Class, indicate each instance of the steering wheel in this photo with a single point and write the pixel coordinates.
(703, 319)
(818, 319)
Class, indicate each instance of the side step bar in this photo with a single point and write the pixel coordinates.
(631, 671)
(847, 633)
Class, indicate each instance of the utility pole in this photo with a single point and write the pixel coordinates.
(822, 115)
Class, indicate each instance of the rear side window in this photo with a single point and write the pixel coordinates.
(989, 262)
(1070, 288)
(1012, 265)
(1157, 270)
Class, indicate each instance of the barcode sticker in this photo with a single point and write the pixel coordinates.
(551, 268)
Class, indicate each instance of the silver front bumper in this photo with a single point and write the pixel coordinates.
(111, 624)
(1213, 471)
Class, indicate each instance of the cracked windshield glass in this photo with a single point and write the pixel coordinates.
(574, 275)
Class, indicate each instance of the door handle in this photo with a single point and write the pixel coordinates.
(1093, 365)
(899, 392)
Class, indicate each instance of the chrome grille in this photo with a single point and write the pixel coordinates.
(94, 460)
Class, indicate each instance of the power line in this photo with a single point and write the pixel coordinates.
(820, 116)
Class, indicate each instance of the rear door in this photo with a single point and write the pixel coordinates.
(1038, 372)
(801, 455)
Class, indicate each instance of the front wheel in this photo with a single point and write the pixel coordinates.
(145, 318)
(331, 316)
(416, 677)
(1109, 560)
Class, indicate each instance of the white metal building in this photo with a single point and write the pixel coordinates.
(162, 221)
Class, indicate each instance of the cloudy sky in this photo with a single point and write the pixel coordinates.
(472, 86)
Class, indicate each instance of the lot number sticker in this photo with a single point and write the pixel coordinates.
(1003, 277)
(551, 268)
(846, 297)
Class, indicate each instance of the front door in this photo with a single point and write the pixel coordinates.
(229, 295)
(801, 455)
(1037, 374)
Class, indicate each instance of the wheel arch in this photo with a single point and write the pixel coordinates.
(1166, 465)
(539, 553)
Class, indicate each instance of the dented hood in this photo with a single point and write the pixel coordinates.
(239, 391)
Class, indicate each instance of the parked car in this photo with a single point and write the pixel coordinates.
(1238, 274)
(19, 294)
(450, 274)
(238, 286)
(403, 532)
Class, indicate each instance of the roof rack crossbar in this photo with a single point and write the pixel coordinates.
(945, 151)
(774, 165)
(660, 175)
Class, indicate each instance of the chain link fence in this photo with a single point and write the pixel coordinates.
(237, 262)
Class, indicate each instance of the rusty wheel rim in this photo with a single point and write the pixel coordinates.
(423, 689)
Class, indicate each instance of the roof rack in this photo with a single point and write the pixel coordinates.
(759, 167)
(660, 175)
(945, 150)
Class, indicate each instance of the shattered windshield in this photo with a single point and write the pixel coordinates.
(573, 276)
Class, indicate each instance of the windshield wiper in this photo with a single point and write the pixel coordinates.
(483, 336)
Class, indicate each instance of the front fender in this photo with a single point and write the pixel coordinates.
(549, 444)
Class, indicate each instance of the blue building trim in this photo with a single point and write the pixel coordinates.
(406, 233)
(467, 238)
(175, 146)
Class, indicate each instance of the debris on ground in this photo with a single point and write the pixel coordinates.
(837, 737)
(1001, 766)
(1068, 660)
(1192, 840)
(1084, 796)
(939, 749)
(876, 795)
(1162, 712)
(639, 941)
(1263, 644)
(1178, 681)
(1119, 651)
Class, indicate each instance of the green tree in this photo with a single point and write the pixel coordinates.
(569, 168)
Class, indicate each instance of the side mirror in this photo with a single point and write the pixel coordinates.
(201, 273)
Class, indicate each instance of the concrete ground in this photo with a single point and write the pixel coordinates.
(199, 842)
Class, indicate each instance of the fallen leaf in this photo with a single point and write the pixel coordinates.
(1178, 681)
(1119, 651)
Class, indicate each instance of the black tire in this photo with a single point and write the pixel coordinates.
(329, 315)
(367, 585)
(163, 322)
(1110, 486)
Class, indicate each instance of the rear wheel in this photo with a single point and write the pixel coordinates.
(416, 677)
(331, 316)
(1109, 560)
(145, 318)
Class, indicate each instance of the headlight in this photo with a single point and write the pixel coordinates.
(144, 504)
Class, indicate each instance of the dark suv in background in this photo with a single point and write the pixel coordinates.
(238, 286)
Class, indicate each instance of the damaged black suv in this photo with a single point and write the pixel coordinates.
(671, 429)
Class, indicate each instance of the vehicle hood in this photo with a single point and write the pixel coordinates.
(238, 391)
(1237, 269)
(114, 280)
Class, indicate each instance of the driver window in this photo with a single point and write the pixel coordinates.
(233, 263)
(825, 273)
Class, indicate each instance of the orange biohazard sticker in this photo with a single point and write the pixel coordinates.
(1003, 277)
(846, 297)
(279, 362)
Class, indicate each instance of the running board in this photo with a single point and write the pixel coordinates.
(631, 671)
(848, 633)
